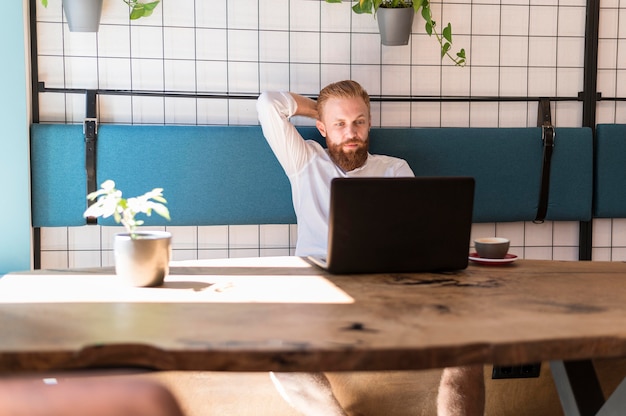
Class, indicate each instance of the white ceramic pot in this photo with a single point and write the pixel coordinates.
(83, 15)
(143, 261)
(395, 25)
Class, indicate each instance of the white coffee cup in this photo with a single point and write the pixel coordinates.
(492, 247)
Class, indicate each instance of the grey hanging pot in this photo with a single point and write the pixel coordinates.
(395, 25)
(83, 15)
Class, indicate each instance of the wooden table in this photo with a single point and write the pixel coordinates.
(283, 314)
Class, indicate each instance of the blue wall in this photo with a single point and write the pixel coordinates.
(15, 230)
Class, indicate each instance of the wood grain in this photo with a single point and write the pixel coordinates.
(528, 311)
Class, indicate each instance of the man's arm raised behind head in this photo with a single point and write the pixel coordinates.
(305, 106)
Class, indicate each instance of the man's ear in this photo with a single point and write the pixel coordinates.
(321, 127)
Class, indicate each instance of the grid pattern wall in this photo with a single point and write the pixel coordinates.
(515, 48)
(609, 237)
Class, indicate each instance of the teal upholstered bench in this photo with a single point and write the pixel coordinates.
(228, 175)
(610, 171)
(506, 163)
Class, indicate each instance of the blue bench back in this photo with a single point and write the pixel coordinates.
(228, 174)
(210, 175)
(610, 171)
(506, 164)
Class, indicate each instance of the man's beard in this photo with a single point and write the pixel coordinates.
(352, 159)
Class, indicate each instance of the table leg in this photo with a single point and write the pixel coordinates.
(615, 404)
(578, 387)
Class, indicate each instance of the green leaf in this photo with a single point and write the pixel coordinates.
(429, 28)
(461, 54)
(363, 6)
(444, 49)
(417, 4)
(142, 9)
(447, 33)
(333, 1)
(45, 3)
(426, 14)
(137, 11)
(151, 6)
(358, 9)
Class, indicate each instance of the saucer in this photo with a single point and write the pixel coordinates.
(509, 258)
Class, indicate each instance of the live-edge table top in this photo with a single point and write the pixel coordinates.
(283, 314)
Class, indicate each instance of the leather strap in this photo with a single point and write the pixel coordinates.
(547, 137)
(90, 130)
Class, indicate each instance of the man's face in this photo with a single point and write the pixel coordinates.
(345, 124)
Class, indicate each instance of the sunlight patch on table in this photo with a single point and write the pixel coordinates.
(55, 288)
(276, 261)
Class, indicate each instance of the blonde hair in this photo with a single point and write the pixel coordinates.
(342, 89)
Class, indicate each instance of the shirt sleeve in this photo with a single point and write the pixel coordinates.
(274, 110)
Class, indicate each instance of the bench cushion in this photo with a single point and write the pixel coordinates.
(211, 175)
(610, 171)
(58, 176)
(506, 163)
(228, 174)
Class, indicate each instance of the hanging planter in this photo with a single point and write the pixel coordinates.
(444, 38)
(83, 15)
(395, 25)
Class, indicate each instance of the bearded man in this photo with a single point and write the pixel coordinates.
(342, 114)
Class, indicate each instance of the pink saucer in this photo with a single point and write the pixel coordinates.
(509, 258)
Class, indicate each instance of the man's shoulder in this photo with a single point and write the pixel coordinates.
(389, 165)
(387, 159)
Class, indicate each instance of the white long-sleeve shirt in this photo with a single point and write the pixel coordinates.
(310, 170)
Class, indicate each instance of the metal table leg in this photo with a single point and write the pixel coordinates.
(578, 387)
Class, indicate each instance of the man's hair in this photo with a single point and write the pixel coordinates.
(342, 89)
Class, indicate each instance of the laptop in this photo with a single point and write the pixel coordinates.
(391, 225)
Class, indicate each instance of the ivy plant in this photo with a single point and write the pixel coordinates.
(444, 38)
(137, 8)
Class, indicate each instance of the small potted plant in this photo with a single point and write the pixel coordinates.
(395, 19)
(84, 15)
(141, 258)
